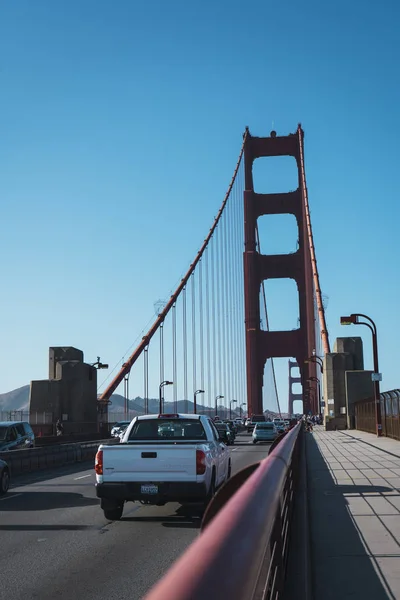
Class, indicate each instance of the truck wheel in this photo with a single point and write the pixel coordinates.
(4, 482)
(254, 441)
(211, 492)
(113, 514)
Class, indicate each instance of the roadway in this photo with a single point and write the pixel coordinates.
(56, 543)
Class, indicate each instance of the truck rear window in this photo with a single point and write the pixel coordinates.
(165, 429)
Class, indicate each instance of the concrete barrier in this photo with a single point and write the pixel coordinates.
(38, 459)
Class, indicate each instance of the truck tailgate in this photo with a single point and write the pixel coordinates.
(150, 462)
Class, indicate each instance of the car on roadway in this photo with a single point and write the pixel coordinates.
(16, 435)
(4, 477)
(119, 428)
(252, 422)
(232, 425)
(162, 458)
(280, 426)
(264, 432)
(226, 433)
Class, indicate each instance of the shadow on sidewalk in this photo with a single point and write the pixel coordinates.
(341, 565)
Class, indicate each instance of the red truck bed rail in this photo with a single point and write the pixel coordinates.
(242, 553)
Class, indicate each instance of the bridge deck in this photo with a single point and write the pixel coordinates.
(354, 503)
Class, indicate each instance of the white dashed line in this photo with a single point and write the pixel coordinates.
(82, 477)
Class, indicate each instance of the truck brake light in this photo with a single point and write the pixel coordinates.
(200, 462)
(98, 464)
(168, 416)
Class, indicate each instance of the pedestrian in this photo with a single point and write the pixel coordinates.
(59, 427)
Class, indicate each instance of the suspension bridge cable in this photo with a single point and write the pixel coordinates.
(161, 317)
(317, 287)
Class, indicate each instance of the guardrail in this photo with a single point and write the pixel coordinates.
(242, 552)
(38, 459)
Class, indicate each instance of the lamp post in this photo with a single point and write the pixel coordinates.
(241, 410)
(99, 365)
(230, 408)
(216, 403)
(353, 319)
(162, 384)
(316, 359)
(315, 379)
(126, 393)
(195, 401)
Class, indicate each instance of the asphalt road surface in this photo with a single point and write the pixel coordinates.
(56, 544)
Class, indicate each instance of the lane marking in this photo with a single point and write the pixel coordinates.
(82, 477)
(9, 497)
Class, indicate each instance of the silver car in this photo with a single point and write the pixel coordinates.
(264, 432)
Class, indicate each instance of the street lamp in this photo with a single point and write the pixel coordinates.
(319, 391)
(316, 359)
(126, 392)
(194, 400)
(230, 408)
(216, 403)
(99, 365)
(353, 320)
(162, 384)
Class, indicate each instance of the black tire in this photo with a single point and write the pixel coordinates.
(211, 492)
(229, 470)
(113, 514)
(4, 482)
(254, 441)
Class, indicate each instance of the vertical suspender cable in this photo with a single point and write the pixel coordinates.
(184, 334)
(208, 326)
(174, 365)
(194, 355)
(214, 319)
(201, 324)
(161, 352)
(146, 380)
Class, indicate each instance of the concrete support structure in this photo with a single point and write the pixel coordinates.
(345, 382)
(261, 345)
(70, 393)
(359, 386)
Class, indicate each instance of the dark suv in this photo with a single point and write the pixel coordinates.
(15, 435)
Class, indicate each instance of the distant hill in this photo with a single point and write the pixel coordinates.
(16, 400)
(19, 400)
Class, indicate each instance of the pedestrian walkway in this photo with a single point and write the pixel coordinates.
(354, 510)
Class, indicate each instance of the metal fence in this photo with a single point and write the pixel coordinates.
(35, 418)
(366, 419)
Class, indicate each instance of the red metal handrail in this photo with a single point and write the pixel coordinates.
(227, 559)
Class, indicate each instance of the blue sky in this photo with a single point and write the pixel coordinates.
(120, 128)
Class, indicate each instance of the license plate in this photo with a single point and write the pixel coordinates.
(149, 489)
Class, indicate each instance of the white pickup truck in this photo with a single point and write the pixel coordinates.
(162, 458)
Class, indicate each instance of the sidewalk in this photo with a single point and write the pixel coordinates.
(354, 511)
